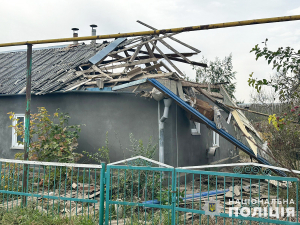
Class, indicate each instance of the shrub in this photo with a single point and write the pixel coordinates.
(51, 139)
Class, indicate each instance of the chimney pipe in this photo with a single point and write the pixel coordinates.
(75, 34)
(93, 26)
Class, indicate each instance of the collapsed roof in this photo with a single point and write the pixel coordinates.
(81, 66)
(107, 65)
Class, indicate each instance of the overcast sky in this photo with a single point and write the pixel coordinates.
(37, 19)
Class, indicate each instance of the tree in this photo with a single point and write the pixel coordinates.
(286, 63)
(51, 139)
(218, 71)
(281, 131)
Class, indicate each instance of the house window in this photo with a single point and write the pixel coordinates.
(19, 118)
(216, 139)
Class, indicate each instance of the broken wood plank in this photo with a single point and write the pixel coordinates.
(174, 50)
(131, 64)
(167, 68)
(174, 39)
(186, 54)
(136, 52)
(159, 75)
(133, 46)
(149, 68)
(172, 58)
(134, 72)
(126, 79)
(107, 62)
(166, 58)
(81, 83)
(100, 71)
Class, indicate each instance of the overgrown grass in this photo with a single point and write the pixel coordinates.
(32, 216)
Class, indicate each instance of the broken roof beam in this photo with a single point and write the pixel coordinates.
(100, 71)
(136, 52)
(171, 56)
(133, 46)
(150, 52)
(131, 63)
(172, 38)
(166, 58)
(153, 67)
(126, 79)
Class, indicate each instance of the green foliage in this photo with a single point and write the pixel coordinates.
(30, 215)
(165, 197)
(285, 62)
(282, 133)
(51, 139)
(218, 71)
(138, 149)
(102, 154)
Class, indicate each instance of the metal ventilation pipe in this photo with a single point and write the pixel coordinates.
(75, 34)
(93, 26)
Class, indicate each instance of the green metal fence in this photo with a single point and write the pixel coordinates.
(140, 193)
(53, 188)
(143, 191)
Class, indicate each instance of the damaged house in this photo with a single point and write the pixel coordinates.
(106, 87)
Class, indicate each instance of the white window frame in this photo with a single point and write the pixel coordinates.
(15, 144)
(216, 139)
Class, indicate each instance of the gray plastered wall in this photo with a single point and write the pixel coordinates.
(120, 114)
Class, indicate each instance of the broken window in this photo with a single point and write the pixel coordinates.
(16, 139)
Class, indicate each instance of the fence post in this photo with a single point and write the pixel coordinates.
(173, 196)
(102, 181)
(107, 177)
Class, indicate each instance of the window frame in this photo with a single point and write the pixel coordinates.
(14, 144)
(216, 139)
